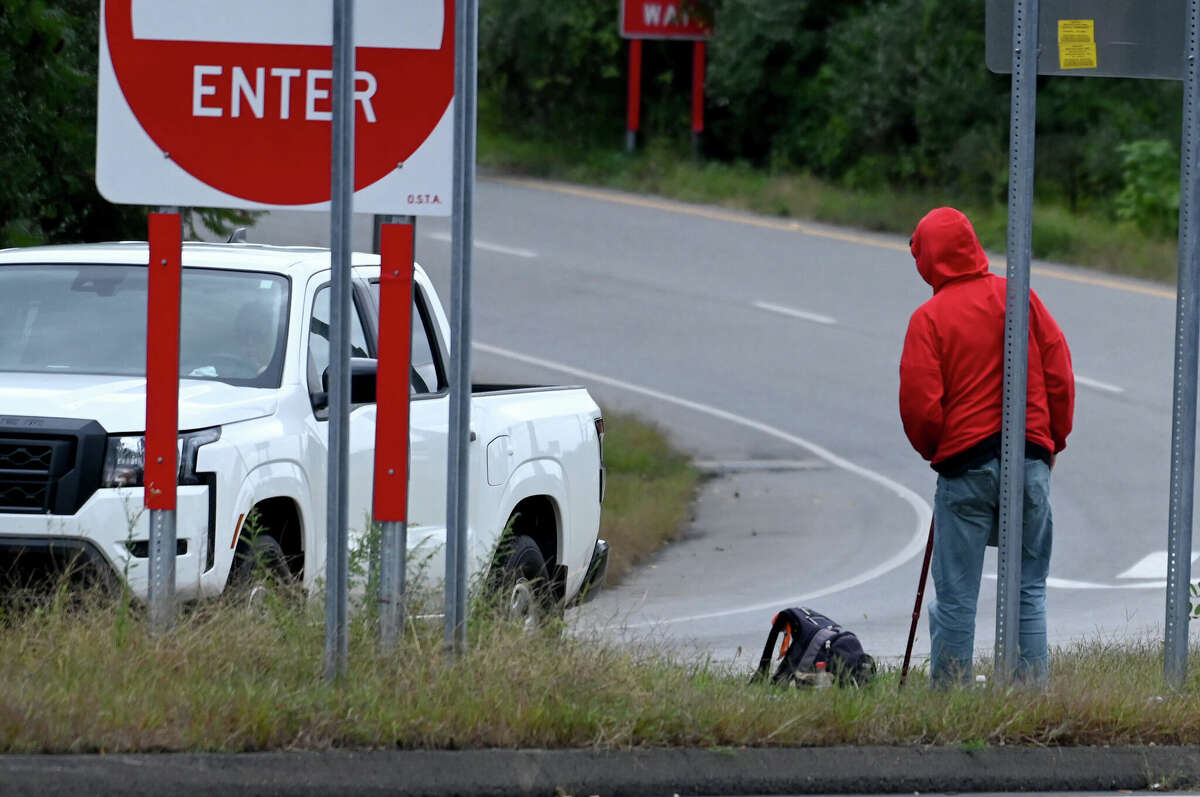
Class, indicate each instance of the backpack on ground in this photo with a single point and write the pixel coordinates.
(809, 638)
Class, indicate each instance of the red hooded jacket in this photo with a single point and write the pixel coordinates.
(952, 367)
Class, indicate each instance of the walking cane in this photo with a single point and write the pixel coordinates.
(912, 631)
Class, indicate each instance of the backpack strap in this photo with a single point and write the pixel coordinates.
(778, 624)
(818, 641)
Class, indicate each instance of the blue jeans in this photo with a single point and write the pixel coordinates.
(965, 516)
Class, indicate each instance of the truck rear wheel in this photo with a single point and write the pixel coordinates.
(523, 593)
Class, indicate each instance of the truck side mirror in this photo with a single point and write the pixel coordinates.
(362, 380)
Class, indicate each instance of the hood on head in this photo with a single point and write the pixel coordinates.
(945, 247)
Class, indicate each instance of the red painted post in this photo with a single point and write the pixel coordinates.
(162, 361)
(392, 381)
(632, 116)
(698, 53)
(392, 388)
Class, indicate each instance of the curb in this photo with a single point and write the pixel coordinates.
(829, 770)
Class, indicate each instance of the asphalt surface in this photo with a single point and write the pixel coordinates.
(769, 350)
(844, 770)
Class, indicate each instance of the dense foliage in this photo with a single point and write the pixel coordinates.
(869, 94)
(866, 93)
(47, 125)
(48, 68)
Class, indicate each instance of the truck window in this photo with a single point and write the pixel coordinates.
(91, 319)
(319, 331)
(427, 373)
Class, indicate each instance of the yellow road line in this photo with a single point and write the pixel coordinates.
(654, 204)
(1101, 282)
(717, 214)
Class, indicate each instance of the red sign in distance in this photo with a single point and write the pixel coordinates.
(661, 19)
(261, 133)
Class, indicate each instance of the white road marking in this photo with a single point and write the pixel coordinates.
(914, 546)
(1096, 384)
(444, 237)
(1066, 583)
(1152, 565)
(816, 318)
(741, 465)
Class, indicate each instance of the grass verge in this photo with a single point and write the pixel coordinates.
(233, 679)
(84, 676)
(1080, 238)
(650, 488)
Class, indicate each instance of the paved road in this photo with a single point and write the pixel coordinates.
(769, 349)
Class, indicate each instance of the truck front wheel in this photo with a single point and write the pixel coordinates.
(260, 563)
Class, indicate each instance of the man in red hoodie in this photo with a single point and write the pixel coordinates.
(951, 386)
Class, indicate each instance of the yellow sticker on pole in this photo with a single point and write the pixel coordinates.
(1077, 44)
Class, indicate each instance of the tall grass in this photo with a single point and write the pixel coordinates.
(1085, 238)
(236, 679)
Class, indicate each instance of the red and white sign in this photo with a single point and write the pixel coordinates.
(227, 103)
(662, 19)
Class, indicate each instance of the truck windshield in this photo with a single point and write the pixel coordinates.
(91, 319)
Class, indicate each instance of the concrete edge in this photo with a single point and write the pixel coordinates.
(830, 770)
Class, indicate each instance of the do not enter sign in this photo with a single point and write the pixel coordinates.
(226, 103)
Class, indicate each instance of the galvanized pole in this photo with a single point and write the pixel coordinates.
(1187, 330)
(458, 459)
(1016, 335)
(341, 210)
(161, 596)
(163, 538)
(392, 587)
(393, 548)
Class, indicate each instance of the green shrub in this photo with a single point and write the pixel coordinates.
(1150, 195)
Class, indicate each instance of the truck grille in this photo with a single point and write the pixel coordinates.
(29, 470)
(32, 458)
(48, 465)
(24, 497)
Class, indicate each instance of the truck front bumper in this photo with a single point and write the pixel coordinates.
(110, 530)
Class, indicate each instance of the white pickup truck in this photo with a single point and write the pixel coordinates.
(254, 347)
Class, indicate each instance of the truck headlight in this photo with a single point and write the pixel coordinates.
(125, 459)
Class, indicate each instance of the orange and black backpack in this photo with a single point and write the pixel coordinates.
(808, 638)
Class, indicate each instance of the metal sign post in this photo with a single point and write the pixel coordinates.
(1117, 38)
(161, 468)
(458, 455)
(392, 395)
(1016, 334)
(341, 210)
(1187, 330)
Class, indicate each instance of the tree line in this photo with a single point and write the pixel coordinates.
(865, 93)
